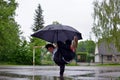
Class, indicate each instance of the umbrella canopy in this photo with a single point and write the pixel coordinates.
(57, 32)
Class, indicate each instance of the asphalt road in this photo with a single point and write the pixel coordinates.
(52, 73)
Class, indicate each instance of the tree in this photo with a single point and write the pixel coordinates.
(86, 46)
(107, 21)
(81, 47)
(9, 30)
(23, 54)
(86, 50)
(38, 24)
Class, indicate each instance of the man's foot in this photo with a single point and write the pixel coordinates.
(61, 77)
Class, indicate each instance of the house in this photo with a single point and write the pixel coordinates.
(106, 53)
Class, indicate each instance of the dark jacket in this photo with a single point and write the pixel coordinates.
(64, 54)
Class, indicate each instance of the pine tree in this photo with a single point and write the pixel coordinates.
(38, 24)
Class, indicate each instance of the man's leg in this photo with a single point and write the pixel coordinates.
(68, 55)
(62, 68)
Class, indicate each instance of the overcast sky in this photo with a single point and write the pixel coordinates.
(75, 13)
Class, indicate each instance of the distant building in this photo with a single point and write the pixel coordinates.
(106, 53)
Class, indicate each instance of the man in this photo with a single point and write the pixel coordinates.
(63, 53)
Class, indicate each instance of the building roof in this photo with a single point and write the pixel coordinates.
(107, 49)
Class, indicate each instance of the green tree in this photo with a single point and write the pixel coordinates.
(86, 50)
(38, 24)
(23, 54)
(81, 47)
(107, 21)
(9, 30)
(39, 21)
(86, 46)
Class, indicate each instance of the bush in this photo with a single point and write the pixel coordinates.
(83, 56)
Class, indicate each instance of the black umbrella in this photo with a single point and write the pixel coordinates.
(57, 32)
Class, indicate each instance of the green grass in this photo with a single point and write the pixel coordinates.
(73, 63)
(109, 64)
(45, 62)
(7, 63)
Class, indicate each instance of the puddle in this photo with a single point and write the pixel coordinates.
(9, 76)
(94, 76)
(52, 73)
(34, 78)
(91, 76)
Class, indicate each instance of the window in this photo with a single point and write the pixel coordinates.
(109, 57)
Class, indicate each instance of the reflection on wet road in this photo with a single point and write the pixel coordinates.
(52, 73)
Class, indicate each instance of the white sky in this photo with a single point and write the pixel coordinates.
(75, 13)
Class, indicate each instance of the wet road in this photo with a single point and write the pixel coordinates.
(52, 73)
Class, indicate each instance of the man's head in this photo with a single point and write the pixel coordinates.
(50, 47)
